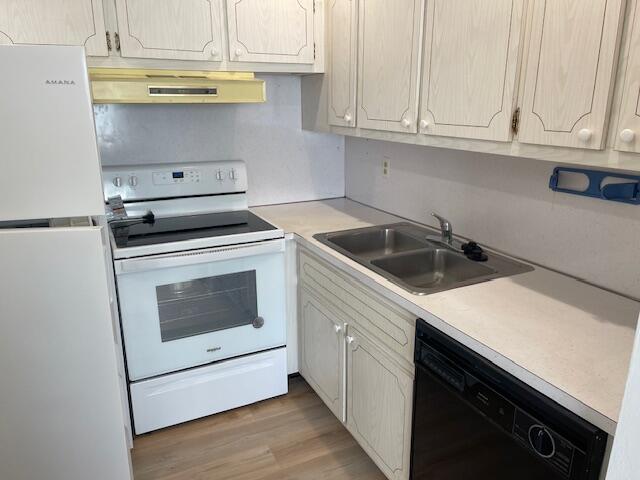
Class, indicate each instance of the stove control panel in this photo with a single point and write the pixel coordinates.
(148, 182)
(174, 177)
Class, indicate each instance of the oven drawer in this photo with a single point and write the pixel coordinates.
(192, 308)
(179, 397)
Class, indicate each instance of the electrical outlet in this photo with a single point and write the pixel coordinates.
(386, 167)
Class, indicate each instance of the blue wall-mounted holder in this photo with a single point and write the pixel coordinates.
(626, 191)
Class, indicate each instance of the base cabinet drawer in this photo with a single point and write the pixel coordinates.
(379, 406)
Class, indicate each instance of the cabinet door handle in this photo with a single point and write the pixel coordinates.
(627, 135)
(238, 52)
(423, 124)
(348, 117)
(337, 328)
(585, 134)
(405, 122)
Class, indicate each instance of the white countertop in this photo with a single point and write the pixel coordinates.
(569, 340)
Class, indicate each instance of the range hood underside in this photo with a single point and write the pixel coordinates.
(112, 85)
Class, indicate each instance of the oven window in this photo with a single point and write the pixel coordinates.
(207, 305)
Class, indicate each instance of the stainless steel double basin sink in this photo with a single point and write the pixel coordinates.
(414, 259)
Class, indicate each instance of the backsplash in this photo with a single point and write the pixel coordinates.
(285, 164)
(502, 202)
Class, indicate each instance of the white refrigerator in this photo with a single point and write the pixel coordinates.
(61, 410)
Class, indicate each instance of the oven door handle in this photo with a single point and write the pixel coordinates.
(194, 257)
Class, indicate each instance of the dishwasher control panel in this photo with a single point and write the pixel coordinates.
(546, 443)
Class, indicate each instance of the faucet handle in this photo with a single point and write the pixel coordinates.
(444, 223)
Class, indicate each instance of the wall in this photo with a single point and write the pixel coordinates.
(625, 461)
(503, 202)
(285, 164)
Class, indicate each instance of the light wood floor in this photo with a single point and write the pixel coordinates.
(290, 437)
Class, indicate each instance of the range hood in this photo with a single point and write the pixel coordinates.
(123, 85)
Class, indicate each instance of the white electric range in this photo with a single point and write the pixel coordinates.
(201, 291)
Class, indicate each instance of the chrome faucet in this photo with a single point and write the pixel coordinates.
(446, 229)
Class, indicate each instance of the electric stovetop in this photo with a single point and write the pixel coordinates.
(137, 232)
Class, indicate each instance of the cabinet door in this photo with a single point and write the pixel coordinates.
(470, 68)
(570, 71)
(389, 53)
(379, 405)
(54, 22)
(322, 351)
(343, 51)
(275, 31)
(170, 29)
(629, 121)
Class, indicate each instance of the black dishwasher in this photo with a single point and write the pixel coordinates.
(473, 420)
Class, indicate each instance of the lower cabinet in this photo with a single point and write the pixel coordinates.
(367, 384)
(322, 348)
(379, 405)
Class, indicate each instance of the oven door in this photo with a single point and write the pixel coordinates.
(191, 308)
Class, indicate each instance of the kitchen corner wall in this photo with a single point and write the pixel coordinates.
(502, 202)
(285, 164)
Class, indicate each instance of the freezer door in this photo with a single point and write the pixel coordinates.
(48, 151)
(60, 412)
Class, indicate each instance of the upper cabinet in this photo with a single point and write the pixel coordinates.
(170, 29)
(628, 131)
(570, 71)
(54, 22)
(278, 31)
(470, 68)
(389, 59)
(524, 78)
(264, 35)
(342, 31)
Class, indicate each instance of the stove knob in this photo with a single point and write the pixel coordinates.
(219, 175)
(117, 182)
(542, 441)
(133, 180)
